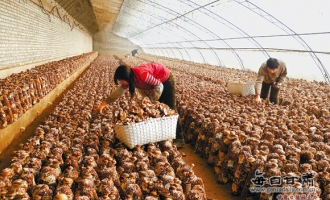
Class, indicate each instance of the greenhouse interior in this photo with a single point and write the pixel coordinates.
(164, 99)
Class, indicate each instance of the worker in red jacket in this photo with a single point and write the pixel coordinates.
(153, 80)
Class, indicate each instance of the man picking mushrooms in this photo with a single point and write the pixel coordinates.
(271, 75)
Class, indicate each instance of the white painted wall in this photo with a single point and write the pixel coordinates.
(29, 37)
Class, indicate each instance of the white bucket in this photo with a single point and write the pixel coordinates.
(241, 88)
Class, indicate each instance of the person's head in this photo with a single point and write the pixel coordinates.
(272, 65)
(125, 75)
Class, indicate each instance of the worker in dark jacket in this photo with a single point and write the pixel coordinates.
(134, 52)
(272, 74)
(153, 80)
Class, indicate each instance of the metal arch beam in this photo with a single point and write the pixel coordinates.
(214, 35)
(148, 14)
(158, 52)
(146, 50)
(161, 52)
(155, 50)
(184, 49)
(181, 54)
(171, 21)
(219, 61)
(164, 37)
(176, 25)
(173, 52)
(183, 15)
(285, 28)
(165, 51)
(232, 26)
(170, 49)
(216, 55)
(149, 49)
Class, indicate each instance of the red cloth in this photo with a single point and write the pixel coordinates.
(149, 75)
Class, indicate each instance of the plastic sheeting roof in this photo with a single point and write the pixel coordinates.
(233, 33)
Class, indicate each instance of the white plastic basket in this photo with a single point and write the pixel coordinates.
(241, 88)
(151, 130)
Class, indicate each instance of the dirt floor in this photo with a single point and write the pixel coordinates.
(214, 190)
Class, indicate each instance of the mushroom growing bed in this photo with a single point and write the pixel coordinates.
(245, 145)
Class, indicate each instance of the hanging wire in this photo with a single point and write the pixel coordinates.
(264, 48)
(281, 25)
(177, 16)
(55, 11)
(149, 28)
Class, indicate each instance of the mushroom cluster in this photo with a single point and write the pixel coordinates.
(141, 109)
(74, 153)
(19, 92)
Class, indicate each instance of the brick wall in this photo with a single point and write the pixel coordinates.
(28, 35)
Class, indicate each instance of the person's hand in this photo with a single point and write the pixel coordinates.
(100, 108)
(124, 84)
(155, 93)
(277, 85)
(258, 99)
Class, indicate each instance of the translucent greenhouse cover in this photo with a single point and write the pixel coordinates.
(233, 33)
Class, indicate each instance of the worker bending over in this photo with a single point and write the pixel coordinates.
(153, 80)
(271, 74)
